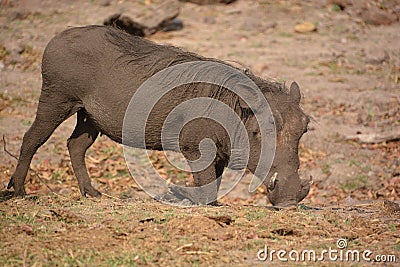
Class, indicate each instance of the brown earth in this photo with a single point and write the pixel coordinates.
(349, 70)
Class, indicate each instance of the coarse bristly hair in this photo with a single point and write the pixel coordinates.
(140, 51)
(130, 53)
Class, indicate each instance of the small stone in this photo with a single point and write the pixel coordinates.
(209, 20)
(233, 11)
(271, 25)
(377, 57)
(20, 48)
(305, 27)
(104, 2)
(174, 25)
(376, 16)
(18, 15)
(27, 229)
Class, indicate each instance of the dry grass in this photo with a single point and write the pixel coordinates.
(69, 231)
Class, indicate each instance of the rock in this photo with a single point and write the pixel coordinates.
(105, 2)
(175, 25)
(271, 25)
(371, 12)
(392, 134)
(378, 57)
(375, 16)
(27, 229)
(234, 11)
(209, 2)
(18, 15)
(147, 22)
(2, 66)
(19, 48)
(305, 27)
(209, 20)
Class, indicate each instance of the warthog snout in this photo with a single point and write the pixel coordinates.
(284, 191)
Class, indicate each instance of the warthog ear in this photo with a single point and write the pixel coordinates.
(295, 92)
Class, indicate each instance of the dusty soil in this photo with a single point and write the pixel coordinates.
(349, 72)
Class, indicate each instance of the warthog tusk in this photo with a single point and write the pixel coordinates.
(272, 181)
(273, 178)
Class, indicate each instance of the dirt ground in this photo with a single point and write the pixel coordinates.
(349, 72)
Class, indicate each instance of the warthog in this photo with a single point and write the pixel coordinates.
(94, 71)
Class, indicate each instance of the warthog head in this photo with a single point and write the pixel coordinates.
(284, 186)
